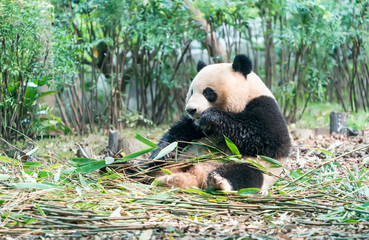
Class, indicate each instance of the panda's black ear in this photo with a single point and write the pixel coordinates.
(200, 65)
(242, 64)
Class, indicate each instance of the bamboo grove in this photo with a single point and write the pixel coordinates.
(116, 63)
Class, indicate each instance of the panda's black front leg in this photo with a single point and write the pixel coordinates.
(230, 125)
(182, 131)
(212, 119)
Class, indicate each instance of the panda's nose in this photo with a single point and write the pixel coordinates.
(191, 111)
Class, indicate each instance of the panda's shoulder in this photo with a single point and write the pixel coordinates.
(263, 102)
(264, 110)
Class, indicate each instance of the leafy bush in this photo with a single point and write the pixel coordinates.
(134, 119)
(25, 67)
(108, 57)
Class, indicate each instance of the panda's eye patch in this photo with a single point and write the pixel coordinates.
(210, 95)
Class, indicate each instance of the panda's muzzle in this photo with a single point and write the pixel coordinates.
(193, 113)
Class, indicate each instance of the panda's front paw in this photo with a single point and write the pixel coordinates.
(209, 119)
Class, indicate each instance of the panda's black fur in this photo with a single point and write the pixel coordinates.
(259, 129)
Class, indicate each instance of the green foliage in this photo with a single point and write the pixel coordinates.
(134, 119)
(107, 59)
(25, 66)
(138, 46)
(315, 33)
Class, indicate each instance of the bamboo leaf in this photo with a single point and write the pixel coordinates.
(135, 155)
(247, 191)
(197, 191)
(166, 171)
(32, 165)
(232, 146)
(271, 161)
(166, 150)
(34, 185)
(325, 151)
(79, 191)
(40, 210)
(109, 160)
(58, 165)
(91, 167)
(32, 151)
(83, 181)
(57, 175)
(8, 160)
(4, 177)
(82, 161)
(145, 141)
(257, 165)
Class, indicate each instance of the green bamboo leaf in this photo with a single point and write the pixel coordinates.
(40, 210)
(32, 165)
(257, 165)
(274, 166)
(83, 181)
(271, 161)
(296, 174)
(82, 161)
(166, 150)
(111, 176)
(325, 151)
(247, 191)
(8, 160)
(34, 185)
(161, 196)
(91, 167)
(135, 155)
(350, 221)
(156, 183)
(58, 165)
(234, 159)
(145, 141)
(139, 153)
(197, 191)
(232, 146)
(166, 171)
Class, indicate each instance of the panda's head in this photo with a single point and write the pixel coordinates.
(226, 86)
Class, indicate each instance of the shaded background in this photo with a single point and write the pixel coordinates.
(116, 64)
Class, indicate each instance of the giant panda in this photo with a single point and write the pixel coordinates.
(228, 99)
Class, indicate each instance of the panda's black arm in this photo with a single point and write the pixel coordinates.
(259, 130)
(182, 131)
